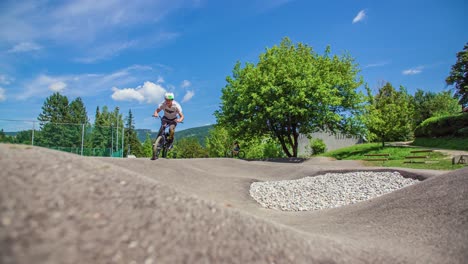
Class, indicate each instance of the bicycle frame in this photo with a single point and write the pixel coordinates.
(231, 153)
(160, 142)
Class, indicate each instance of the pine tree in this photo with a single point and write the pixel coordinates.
(53, 119)
(148, 146)
(101, 135)
(132, 144)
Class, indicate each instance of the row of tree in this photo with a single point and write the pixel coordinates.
(65, 125)
(293, 90)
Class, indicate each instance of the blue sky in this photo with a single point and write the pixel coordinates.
(128, 53)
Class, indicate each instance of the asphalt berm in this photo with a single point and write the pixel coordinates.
(57, 207)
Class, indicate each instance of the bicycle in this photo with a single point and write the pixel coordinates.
(161, 143)
(231, 153)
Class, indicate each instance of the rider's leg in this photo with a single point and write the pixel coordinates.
(170, 138)
(164, 121)
(171, 132)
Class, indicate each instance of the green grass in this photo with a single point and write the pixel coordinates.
(396, 158)
(443, 143)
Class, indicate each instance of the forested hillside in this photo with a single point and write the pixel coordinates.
(198, 132)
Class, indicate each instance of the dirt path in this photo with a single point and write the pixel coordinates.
(57, 207)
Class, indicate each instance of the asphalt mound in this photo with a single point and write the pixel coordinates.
(57, 207)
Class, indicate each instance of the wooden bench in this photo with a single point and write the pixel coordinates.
(422, 151)
(379, 157)
(418, 157)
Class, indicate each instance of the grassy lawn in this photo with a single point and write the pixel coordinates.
(443, 143)
(436, 160)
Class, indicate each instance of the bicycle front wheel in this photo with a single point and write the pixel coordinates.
(241, 154)
(158, 144)
(228, 154)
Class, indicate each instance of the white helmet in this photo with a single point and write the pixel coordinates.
(169, 96)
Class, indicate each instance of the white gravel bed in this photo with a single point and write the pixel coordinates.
(326, 191)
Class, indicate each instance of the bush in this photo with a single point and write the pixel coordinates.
(462, 132)
(259, 148)
(444, 126)
(317, 146)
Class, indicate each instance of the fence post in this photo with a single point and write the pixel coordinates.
(32, 136)
(112, 142)
(123, 130)
(117, 136)
(82, 138)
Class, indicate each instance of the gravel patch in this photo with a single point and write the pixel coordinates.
(326, 191)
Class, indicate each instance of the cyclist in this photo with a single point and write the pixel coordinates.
(236, 148)
(171, 109)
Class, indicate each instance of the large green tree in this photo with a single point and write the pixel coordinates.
(291, 90)
(78, 119)
(77, 112)
(62, 122)
(459, 76)
(430, 104)
(55, 110)
(390, 115)
(54, 122)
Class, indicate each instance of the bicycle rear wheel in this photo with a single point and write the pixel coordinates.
(241, 154)
(228, 154)
(158, 144)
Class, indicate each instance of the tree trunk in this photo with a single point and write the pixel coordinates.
(285, 148)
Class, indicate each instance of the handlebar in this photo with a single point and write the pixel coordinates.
(160, 117)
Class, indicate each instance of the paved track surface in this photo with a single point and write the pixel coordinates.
(57, 207)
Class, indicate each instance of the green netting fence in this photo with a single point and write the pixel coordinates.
(81, 139)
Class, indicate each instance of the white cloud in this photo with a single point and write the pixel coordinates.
(83, 85)
(2, 94)
(92, 30)
(57, 86)
(160, 79)
(24, 47)
(185, 84)
(41, 85)
(378, 64)
(127, 94)
(149, 92)
(106, 51)
(4, 79)
(413, 71)
(188, 95)
(360, 16)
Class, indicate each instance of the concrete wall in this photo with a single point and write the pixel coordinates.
(331, 141)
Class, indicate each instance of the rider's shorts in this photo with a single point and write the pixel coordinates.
(168, 121)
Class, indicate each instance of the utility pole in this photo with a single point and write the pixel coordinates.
(117, 139)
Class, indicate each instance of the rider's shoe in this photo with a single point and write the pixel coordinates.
(170, 142)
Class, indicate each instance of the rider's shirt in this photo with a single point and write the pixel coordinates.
(170, 112)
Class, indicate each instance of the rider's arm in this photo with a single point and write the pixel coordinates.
(156, 112)
(181, 117)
